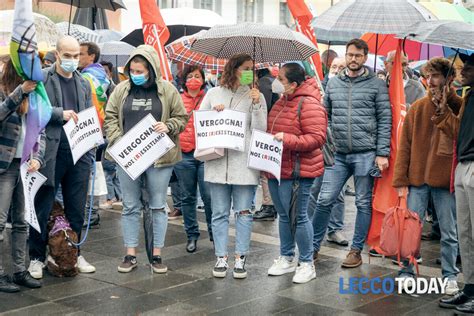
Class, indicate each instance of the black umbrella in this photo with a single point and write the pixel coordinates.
(294, 205)
(135, 37)
(93, 18)
(148, 227)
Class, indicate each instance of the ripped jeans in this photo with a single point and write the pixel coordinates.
(154, 181)
(240, 197)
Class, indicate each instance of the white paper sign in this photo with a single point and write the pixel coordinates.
(31, 184)
(265, 153)
(140, 147)
(225, 129)
(84, 135)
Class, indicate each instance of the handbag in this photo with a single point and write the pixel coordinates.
(329, 148)
(209, 154)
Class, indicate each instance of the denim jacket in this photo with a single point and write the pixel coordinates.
(10, 130)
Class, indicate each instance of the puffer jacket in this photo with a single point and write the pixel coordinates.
(305, 135)
(187, 138)
(359, 113)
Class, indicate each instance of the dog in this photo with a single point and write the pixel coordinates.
(62, 257)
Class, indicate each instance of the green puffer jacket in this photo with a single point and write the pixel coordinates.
(173, 112)
(359, 113)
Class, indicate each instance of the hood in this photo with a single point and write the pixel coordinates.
(368, 74)
(309, 88)
(150, 54)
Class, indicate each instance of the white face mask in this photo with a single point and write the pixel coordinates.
(277, 86)
(331, 75)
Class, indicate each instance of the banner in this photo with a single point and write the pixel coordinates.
(265, 153)
(140, 147)
(31, 184)
(84, 135)
(225, 129)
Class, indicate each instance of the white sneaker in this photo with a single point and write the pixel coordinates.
(282, 266)
(338, 238)
(84, 266)
(305, 272)
(452, 287)
(36, 269)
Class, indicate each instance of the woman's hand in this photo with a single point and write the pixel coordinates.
(33, 165)
(279, 136)
(28, 86)
(255, 95)
(161, 127)
(219, 107)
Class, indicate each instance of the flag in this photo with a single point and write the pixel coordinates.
(385, 196)
(25, 59)
(303, 17)
(97, 77)
(155, 33)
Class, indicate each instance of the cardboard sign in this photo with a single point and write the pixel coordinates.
(265, 153)
(225, 129)
(84, 135)
(31, 184)
(140, 147)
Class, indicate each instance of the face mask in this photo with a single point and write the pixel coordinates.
(246, 77)
(69, 65)
(277, 86)
(331, 75)
(193, 84)
(139, 80)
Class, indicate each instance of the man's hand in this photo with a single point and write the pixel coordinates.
(161, 127)
(440, 98)
(402, 191)
(219, 107)
(279, 136)
(28, 86)
(70, 114)
(382, 163)
(33, 165)
(255, 95)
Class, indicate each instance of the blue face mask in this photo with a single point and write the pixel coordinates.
(69, 65)
(139, 80)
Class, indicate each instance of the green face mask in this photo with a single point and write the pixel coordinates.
(246, 77)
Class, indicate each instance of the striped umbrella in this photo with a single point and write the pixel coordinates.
(79, 32)
(265, 43)
(180, 51)
(351, 18)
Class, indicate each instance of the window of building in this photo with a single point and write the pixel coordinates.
(285, 14)
(247, 11)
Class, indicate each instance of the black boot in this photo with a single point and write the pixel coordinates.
(7, 286)
(466, 308)
(457, 299)
(266, 213)
(24, 278)
(191, 246)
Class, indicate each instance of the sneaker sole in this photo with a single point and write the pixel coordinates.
(160, 271)
(351, 265)
(174, 217)
(313, 276)
(451, 293)
(37, 277)
(448, 306)
(282, 272)
(376, 255)
(86, 271)
(126, 270)
(343, 243)
(219, 274)
(239, 275)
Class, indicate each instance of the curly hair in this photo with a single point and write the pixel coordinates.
(439, 64)
(229, 76)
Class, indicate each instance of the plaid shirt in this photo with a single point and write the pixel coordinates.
(10, 129)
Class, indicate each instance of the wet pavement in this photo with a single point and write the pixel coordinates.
(189, 288)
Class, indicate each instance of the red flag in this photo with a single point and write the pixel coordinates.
(300, 12)
(385, 196)
(155, 33)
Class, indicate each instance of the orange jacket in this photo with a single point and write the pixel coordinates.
(187, 138)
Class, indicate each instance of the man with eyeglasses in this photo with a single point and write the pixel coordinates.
(414, 90)
(360, 117)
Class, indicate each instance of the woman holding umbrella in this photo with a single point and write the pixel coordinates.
(230, 181)
(145, 93)
(190, 171)
(298, 120)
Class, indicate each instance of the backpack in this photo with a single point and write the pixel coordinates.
(401, 233)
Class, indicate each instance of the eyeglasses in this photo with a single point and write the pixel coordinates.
(357, 56)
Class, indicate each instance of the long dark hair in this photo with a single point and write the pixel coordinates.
(229, 76)
(10, 80)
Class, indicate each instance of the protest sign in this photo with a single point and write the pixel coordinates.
(31, 184)
(84, 135)
(140, 147)
(225, 129)
(265, 153)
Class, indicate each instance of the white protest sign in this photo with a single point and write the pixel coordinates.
(225, 129)
(31, 184)
(265, 153)
(140, 147)
(84, 135)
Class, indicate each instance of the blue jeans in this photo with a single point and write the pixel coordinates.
(155, 182)
(113, 183)
(281, 196)
(336, 221)
(445, 206)
(11, 196)
(190, 173)
(223, 196)
(357, 165)
(175, 192)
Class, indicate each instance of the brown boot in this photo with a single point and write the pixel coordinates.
(315, 257)
(353, 259)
